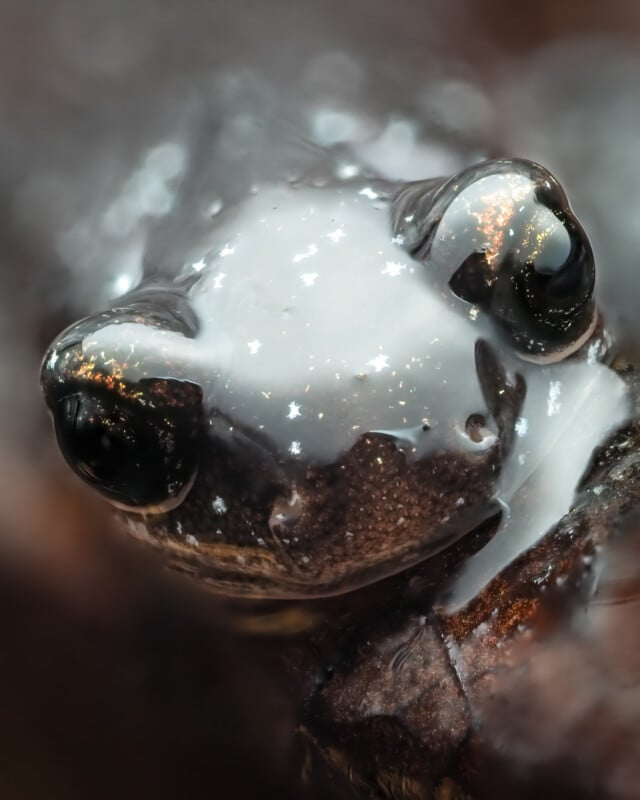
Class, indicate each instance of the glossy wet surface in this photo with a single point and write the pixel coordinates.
(89, 170)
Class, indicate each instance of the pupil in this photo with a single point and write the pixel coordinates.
(102, 452)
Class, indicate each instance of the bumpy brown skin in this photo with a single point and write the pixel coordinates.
(403, 498)
(528, 692)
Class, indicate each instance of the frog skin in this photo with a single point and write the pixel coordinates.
(321, 398)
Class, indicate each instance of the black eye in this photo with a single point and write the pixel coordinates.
(545, 297)
(503, 236)
(138, 451)
(562, 287)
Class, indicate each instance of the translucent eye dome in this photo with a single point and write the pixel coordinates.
(503, 237)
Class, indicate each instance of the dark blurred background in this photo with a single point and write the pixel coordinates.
(125, 128)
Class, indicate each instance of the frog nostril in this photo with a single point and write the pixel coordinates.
(477, 428)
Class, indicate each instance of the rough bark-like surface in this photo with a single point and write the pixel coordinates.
(531, 689)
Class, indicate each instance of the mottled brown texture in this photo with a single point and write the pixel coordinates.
(530, 689)
(412, 511)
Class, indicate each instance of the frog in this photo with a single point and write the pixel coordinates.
(345, 379)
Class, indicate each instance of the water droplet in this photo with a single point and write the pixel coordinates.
(219, 506)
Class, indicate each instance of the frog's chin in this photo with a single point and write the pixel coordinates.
(158, 508)
(565, 352)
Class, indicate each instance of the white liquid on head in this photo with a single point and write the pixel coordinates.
(319, 327)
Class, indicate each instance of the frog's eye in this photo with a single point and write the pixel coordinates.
(139, 452)
(542, 298)
(503, 236)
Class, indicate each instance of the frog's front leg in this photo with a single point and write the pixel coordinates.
(579, 404)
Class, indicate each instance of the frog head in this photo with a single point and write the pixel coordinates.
(309, 406)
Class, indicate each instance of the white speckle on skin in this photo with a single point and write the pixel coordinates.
(191, 540)
(592, 352)
(347, 171)
(522, 426)
(254, 346)
(553, 400)
(308, 253)
(336, 235)
(393, 268)
(309, 278)
(295, 448)
(379, 362)
(217, 281)
(219, 506)
(368, 193)
(227, 251)
(123, 283)
(294, 410)
(198, 266)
